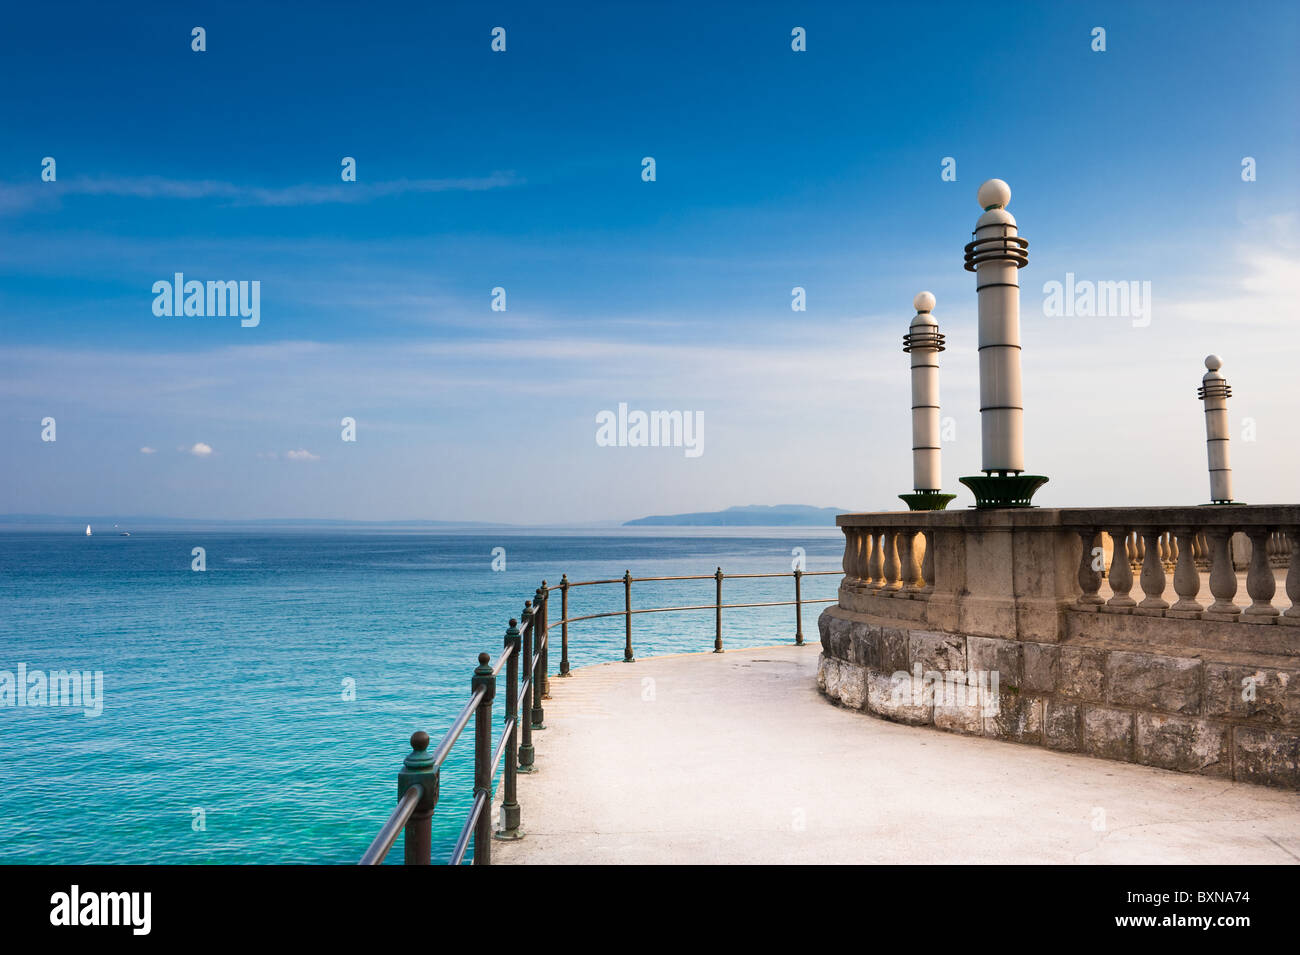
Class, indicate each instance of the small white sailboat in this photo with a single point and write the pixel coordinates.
(87, 530)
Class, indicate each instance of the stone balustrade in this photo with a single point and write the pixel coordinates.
(1176, 648)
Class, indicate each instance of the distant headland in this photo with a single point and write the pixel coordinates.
(751, 515)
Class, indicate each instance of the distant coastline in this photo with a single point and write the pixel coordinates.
(752, 515)
(755, 516)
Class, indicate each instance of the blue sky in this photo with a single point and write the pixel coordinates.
(522, 170)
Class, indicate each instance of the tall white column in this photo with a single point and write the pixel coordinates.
(994, 256)
(923, 342)
(1215, 392)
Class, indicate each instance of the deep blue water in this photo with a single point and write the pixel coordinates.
(223, 690)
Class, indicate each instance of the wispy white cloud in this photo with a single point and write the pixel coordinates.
(18, 197)
(301, 454)
(200, 450)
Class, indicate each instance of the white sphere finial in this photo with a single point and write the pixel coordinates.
(994, 194)
(924, 302)
(1213, 362)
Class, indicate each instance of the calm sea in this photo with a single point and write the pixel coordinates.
(225, 734)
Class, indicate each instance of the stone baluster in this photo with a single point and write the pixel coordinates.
(892, 581)
(1136, 551)
(846, 563)
(908, 567)
(1187, 579)
(1089, 576)
(876, 563)
(858, 566)
(1292, 614)
(1260, 584)
(864, 556)
(1121, 572)
(1223, 576)
(1153, 573)
(927, 563)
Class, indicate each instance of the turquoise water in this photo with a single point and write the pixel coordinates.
(223, 691)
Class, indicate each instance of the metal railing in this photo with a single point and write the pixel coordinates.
(418, 779)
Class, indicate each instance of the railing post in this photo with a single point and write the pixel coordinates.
(1223, 576)
(564, 625)
(1120, 572)
(1260, 585)
(1089, 576)
(1187, 580)
(627, 617)
(798, 610)
(927, 562)
(510, 799)
(418, 770)
(484, 678)
(892, 569)
(546, 641)
(526, 753)
(717, 630)
(539, 673)
(1153, 573)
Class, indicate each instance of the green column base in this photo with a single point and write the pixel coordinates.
(927, 500)
(1007, 490)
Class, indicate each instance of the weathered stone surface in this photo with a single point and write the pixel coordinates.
(831, 680)
(824, 630)
(899, 703)
(962, 716)
(1256, 694)
(1042, 667)
(853, 685)
(1187, 745)
(1268, 756)
(864, 641)
(1081, 673)
(1019, 717)
(945, 652)
(1154, 681)
(1134, 704)
(995, 655)
(1108, 733)
(839, 639)
(1061, 726)
(894, 646)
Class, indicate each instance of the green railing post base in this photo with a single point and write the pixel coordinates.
(526, 757)
(509, 831)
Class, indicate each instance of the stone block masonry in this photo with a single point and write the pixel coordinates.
(1193, 711)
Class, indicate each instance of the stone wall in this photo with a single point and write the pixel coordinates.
(1214, 712)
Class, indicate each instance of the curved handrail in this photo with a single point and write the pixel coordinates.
(527, 649)
(393, 826)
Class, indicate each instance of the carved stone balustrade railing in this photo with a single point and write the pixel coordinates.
(1028, 572)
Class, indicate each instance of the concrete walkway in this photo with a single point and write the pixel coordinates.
(736, 758)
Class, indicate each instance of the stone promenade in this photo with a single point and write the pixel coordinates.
(736, 758)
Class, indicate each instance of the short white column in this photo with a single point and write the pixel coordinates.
(1215, 392)
(923, 342)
